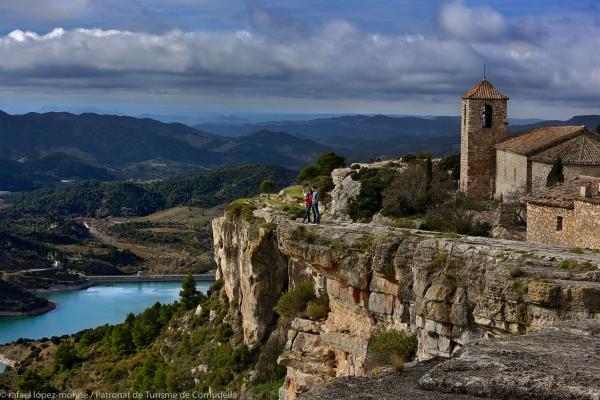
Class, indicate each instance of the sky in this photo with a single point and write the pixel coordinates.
(303, 56)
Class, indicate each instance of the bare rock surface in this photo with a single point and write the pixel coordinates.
(401, 385)
(558, 362)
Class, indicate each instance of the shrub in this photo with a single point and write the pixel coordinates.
(369, 200)
(240, 208)
(267, 368)
(415, 190)
(293, 303)
(294, 211)
(65, 356)
(449, 217)
(318, 309)
(389, 346)
(308, 173)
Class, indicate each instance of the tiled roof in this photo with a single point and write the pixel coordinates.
(566, 193)
(580, 150)
(539, 139)
(484, 90)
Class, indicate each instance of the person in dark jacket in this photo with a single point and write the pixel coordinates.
(315, 205)
(308, 201)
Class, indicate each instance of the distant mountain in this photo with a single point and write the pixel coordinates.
(64, 146)
(355, 126)
(591, 121)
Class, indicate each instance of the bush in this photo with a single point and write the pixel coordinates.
(390, 346)
(370, 198)
(267, 368)
(450, 217)
(65, 356)
(294, 210)
(451, 164)
(293, 303)
(308, 173)
(318, 309)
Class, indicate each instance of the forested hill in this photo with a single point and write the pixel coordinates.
(201, 189)
(127, 143)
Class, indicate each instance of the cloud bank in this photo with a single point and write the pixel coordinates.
(550, 58)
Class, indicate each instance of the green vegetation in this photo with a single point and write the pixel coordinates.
(370, 199)
(189, 295)
(319, 174)
(391, 347)
(268, 186)
(199, 189)
(165, 349)
(318, 309)
(293, 303)
(576, 266)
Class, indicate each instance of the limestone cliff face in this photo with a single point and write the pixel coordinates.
(448, 290)
(254, 274)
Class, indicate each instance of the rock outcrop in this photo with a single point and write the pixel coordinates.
(446, 289)
(254, 274)
(555, 363)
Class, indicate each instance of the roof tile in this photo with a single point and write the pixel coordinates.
(484, 90)
(565, 194)
(539, 139)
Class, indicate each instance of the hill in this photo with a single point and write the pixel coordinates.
(89, 144)
(354, 126)
(205, 189)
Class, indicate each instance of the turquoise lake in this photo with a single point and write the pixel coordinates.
(89, 308)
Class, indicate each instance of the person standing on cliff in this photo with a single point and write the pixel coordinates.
(315, 205)
(308, 201)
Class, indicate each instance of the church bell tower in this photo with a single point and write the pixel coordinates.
(483, 125)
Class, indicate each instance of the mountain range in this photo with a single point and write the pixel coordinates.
(38, 149)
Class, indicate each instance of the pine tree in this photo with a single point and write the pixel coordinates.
(555, 176)
(189, 294)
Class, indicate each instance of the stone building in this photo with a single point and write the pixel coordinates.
(483, 126)
(493, 165)
(567, 214)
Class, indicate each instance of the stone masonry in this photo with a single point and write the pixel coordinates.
(478, 154)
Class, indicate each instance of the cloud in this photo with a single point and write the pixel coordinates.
(279, 57)
(477, 24)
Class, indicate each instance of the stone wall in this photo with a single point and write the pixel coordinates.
(587, 220)
(478, 153)
(542, 224)
(511, 173)
(580, 225)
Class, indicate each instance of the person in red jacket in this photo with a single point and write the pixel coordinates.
(308, 201)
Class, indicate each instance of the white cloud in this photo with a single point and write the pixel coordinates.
(336, 60)
(477, 24)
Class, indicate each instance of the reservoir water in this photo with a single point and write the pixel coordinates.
(89, 308)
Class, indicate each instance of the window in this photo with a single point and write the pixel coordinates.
(515, 175)
(486, 116)
(559, 223)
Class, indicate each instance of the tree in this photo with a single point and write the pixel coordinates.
(555, 176)
(329, 161)
(189, 294)
(65, 356)
(267, 186)
(598, 128)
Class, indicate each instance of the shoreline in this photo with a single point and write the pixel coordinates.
(7, 361)
(66, 288)
(31, 313)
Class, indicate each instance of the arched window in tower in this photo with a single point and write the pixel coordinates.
(486, 116)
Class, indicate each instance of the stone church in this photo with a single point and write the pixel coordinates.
(495, 165)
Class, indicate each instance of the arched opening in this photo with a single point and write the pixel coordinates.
(486, 116)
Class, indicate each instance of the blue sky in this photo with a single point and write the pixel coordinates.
(330, 56)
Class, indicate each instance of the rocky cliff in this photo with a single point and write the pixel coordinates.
(446, 289)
